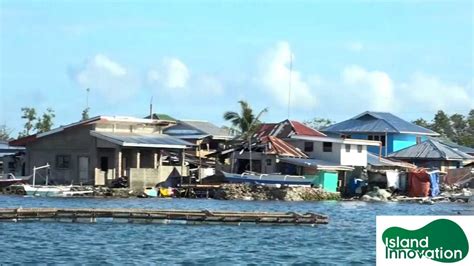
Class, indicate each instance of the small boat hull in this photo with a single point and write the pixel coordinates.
(45, 191)
(268, 179)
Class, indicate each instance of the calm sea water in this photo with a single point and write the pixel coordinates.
(348, 238)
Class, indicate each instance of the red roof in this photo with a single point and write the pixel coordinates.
(285, 129)
(279, 147)
(303, 130)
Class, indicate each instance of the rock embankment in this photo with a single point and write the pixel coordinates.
(258, 192)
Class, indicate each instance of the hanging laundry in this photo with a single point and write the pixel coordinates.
(434, 183)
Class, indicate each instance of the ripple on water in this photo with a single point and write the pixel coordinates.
(349, 238)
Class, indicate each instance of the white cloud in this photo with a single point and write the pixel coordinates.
(172, 74)
(355, 46)
(380, 85)
(209, 84)
(112, 80)
(275, 78)
(433, 94)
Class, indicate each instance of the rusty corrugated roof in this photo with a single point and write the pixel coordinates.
(274, 145)
(304, 130)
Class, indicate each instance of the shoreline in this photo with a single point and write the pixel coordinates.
(247, 192)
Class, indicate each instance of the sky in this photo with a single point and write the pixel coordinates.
(197, 59)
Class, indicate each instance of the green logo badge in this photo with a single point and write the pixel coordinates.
(441, 240)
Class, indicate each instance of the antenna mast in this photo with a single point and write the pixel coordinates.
(289, 85)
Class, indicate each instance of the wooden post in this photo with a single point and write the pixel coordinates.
(118, 162)
(138, 159)
(182, 162)
(155, 159)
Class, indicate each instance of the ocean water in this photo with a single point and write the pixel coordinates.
(349, 238)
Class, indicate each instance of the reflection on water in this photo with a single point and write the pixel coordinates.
(348, 238)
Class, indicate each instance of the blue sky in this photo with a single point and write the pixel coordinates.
(197, 59)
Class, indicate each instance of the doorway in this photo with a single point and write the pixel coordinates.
(83, 169)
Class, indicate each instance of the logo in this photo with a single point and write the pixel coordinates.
(425, 239)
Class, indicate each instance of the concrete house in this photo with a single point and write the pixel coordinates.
(393, 132)
(347, 152)
(100, 149)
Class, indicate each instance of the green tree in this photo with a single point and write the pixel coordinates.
(45, 123)
(318, 123)
(442, 124)
(459, 127)
(245, 121)
(30, 115)
(468, 137)
(5, 133)
(85, 114)
(422, 123)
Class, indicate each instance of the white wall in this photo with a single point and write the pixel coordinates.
(338, 154)
(317, 153)
(353, 157)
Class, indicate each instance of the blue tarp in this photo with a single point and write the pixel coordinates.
(434, 184)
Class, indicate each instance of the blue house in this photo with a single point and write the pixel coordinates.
(394, 132)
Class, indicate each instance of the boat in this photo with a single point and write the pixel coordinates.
(150, 192)
(268, 179)
(10, 179)
(46, 191)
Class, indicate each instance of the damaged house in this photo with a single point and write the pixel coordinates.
(291, 148)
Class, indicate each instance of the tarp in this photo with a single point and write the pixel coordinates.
(418, 183)
(393, 179)
(434, 184)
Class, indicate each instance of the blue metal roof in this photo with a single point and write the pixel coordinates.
(378, 122)
(430, 149)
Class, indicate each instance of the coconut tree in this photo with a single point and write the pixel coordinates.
(246, 122)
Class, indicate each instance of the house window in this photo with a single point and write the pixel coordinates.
(269, 162)
(348, 147)
(344, 136)
(63, 161)
(380, 138)
(327, 146)
(359, 148)
(308, 146)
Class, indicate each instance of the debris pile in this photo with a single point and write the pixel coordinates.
(259, 192)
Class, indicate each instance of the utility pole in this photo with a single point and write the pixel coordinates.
(151, 108)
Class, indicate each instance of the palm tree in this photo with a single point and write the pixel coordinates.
(246, 121)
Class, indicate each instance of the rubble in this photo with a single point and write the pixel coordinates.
(258, 192)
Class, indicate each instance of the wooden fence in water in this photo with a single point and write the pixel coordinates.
(90, 215)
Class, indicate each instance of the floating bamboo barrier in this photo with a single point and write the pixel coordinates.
(89, 215)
